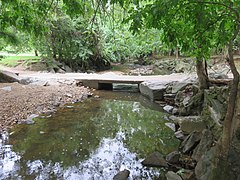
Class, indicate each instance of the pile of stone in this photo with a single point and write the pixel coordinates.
(144, 70)
(196, 118)
(184, 163)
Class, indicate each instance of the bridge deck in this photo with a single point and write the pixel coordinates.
(99, 81)
(105, 81)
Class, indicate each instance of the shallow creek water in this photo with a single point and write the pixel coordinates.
(94, 139)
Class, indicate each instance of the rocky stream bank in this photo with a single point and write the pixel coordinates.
(196, 117)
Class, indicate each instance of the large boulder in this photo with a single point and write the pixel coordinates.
(173, 157)
(191, 141)
(216, 100)
(155, 160)
(187, 174)
(179, 86)
(9, 77)
(189, 124)
(189, 101)
(215, 107)
(122, 175)
(212, 166)
(154, 90)
(204, 145)
(172, 176)
(205, 167)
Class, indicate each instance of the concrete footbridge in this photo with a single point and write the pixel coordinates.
(106, 80)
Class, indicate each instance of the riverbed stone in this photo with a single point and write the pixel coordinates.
(29, 119)
(204, 145)
(172, 176)
(168, 108)
(169, 98)
(8, 77)
(171, 126)
(173, 157)
(179, 135)
(218, 76)
(155, 160)
(187, 174)
(154, 90)
(189, 124)
(179, 86)
(205, 166)
(122, 175)
(191, 141)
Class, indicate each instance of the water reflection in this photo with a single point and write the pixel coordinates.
(93, 140)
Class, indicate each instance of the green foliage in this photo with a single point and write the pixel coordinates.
(193, 26)
(13, 61)
(74, 42)
(120, 44)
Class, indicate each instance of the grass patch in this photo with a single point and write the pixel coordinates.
(13, 61)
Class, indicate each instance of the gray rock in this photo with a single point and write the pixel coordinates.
(216, 101)
(8, 77)
(189, 124)
(179, 135)
(171, 126)
(175, 111)
(32, 116)
(179, 86)
(172, 176)
(67, 69)
(187, 174)
(122, 175)
(191, 141)
(52, 71)
(168, 108)
(181, 67)
(153, 90)
(204, 167)
(218, 76)
(189, 101)
(173, 157)
(26, 81)
(27, 121)
(61, 71)
(155, 160)
(204, 145)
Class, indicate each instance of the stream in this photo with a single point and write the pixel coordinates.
(94, 139)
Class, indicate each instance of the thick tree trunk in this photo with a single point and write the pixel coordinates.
(202, 74)
(228, 130)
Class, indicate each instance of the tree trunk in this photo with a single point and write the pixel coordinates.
(228, 130)
(171, 52)
(36, 53)
(202, 74)
(177, 52)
